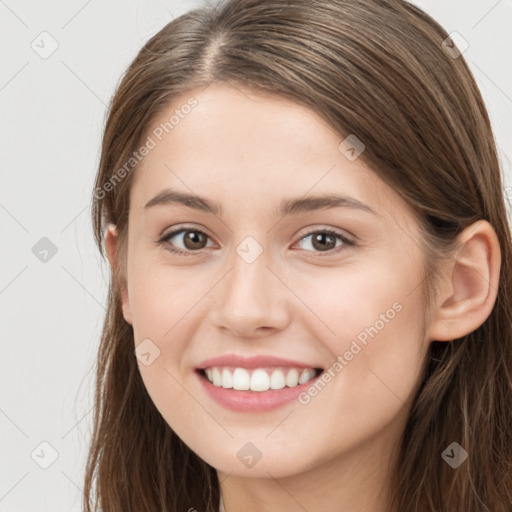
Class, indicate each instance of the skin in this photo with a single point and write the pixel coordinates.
(247, 151)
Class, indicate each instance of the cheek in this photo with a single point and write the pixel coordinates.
(165, 305)
(161, 298)
(162, 303)
(371, 321)
(377, 354)
(351, 298)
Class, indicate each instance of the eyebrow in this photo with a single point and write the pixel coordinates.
(287, 206)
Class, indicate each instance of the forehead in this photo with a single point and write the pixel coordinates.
(243, 146)
(233, 122)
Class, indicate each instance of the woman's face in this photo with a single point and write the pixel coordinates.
(270, 270)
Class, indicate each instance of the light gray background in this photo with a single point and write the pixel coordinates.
(52, 114)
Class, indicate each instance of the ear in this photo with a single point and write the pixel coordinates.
(111, 243)
(469, 285)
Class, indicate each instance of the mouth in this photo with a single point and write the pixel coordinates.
(258, 379)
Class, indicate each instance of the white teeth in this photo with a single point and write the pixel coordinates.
(277, 380)
(227, 378)
(306, 375)
(292, 379)
(241, 379)
(217, 377)
(259, 379)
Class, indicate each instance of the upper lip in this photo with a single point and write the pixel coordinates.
(260, 361)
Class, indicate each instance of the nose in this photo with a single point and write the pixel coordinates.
(251, 300)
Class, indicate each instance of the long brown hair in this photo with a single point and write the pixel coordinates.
(378, 69)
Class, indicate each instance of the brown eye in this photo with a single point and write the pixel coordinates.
(326, 241)
(190, 239)
(323, 241)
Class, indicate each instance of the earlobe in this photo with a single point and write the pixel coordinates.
(469, 285)
(111, 246)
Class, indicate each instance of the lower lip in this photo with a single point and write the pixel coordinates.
(253, 401)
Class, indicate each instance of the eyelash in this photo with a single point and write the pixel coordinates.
(346, 242)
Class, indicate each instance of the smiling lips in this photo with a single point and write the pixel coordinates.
(255, 384)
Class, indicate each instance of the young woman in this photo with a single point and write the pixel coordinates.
(310, 304)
